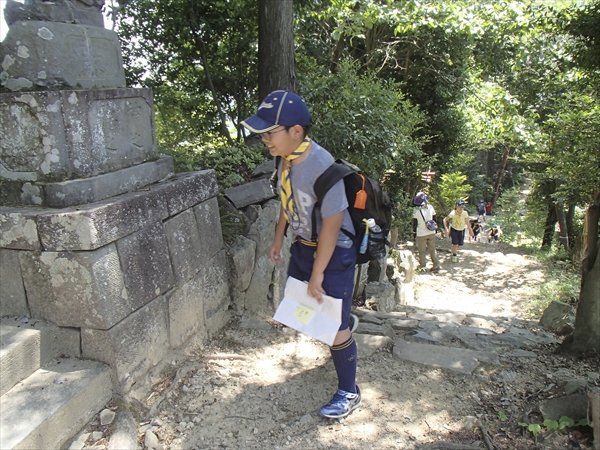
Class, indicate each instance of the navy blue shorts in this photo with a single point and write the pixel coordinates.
(457, 236)
(338, 281)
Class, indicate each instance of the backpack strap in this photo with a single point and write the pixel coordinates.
(326, 181)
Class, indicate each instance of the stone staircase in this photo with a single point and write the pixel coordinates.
(47, 394)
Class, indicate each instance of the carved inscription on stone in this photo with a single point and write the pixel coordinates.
(20, 138)
(121, 132)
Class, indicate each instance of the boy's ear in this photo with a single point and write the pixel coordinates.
(297, 131)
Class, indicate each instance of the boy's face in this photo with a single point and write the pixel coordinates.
(460, 209)
(282, 142)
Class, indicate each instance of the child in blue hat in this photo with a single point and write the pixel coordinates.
(459, 219)
(327, 265)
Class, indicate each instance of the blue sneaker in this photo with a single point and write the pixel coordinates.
(353, 323)
(342, 404)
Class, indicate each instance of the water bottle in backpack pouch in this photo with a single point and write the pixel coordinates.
(376, 240)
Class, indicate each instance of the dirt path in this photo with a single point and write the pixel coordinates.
(261, 388)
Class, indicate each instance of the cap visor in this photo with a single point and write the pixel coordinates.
(257, 125)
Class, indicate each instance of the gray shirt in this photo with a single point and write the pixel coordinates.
(303, 178)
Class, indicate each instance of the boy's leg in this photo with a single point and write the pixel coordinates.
(422, 248)
(339, 283)
(458, 239)
(432, 252)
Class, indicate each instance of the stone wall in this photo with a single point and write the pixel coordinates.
(136, 275)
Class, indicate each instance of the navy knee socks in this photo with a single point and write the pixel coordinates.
(344, 359)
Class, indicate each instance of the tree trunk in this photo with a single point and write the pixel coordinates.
(215, 95)
(586, 336)
(500, 175)
(276, 67)
(592, 217)
(562, 225)
(549, 226)
(490, 164)
(571, 226)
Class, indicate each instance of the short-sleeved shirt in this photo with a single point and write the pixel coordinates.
(428, 213)
(303, 176)
(458, 221)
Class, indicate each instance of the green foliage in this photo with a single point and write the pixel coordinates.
(562, 285)
(553, 425)
(366, 121)
(174, 46)
(233, 164)
(453, 187)
(508, 213)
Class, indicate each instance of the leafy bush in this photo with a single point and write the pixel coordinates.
(366, 121)
(233, 164)
(453, 186)
(509, 213)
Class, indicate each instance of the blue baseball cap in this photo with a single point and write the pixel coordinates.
(460, 203)
(279, 108)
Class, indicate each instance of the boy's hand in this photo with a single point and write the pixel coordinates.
(315, 288)
(275, 252)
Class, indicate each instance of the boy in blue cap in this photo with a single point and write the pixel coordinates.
(460, 220)
(283, 122)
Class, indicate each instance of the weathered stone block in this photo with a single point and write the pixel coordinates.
(188, 189)
(209, 227)
(249, 193)
(101, 187)
(132, 346)
(82, 13)
(241, 262)
(186, 310)
(145, 261)
(95, 225)
(268, 282)
(60, 55)
(185, 247)
(214, 291)
(109, 129)
(13, 301)
(18, 229)
(82, 289)
(58, 135)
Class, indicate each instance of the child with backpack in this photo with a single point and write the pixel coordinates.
(477, 228)
(459, 219)
(327, 265)
(495, 233)
(481, 211)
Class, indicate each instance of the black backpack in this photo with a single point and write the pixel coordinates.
(376, 203)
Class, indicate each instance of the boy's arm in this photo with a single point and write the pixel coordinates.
(275, 251)
(330, 230)
(446, 219)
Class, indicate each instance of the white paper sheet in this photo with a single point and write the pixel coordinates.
(300, 311)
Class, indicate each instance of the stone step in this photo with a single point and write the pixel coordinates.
(24, 348)
(28, 344)
(48, 408)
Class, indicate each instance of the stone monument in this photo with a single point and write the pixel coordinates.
(97, 234)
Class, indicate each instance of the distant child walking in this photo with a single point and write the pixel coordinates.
(481, 211)
(424, 235)
(459, 220)
(327, 264)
